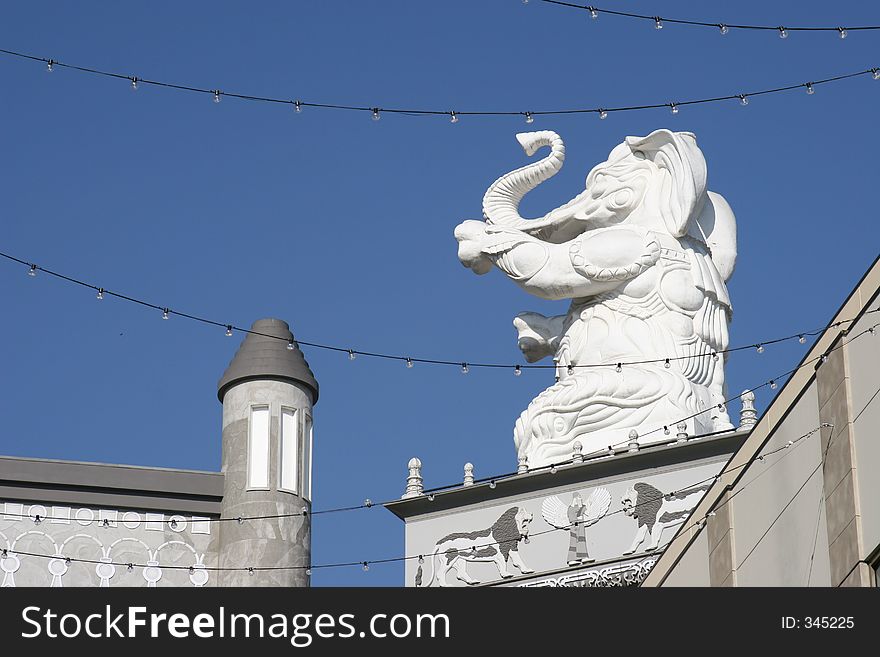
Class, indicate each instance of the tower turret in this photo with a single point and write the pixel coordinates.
(267, 392)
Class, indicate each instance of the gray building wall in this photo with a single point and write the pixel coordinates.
(809, 515)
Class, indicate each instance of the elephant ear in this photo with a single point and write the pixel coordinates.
(682, 171)
(716, 226)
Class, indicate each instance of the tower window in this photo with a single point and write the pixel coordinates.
(290, 440)
(258, 448)
(306, 461)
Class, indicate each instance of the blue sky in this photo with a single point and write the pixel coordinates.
(343, 226)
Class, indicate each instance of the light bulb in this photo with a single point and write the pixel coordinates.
(351, 354)
(216, 95)
(783, 33)
(106, 523)
(529, 118)
(517, 371)
(871, 330)
(714, 356)
(492, 484)
(666, 430)
(305, 511)
(720, 407)
(570, 370)
(173, 524)
(49, 65)
(773, 385)
(431, 497)
(250, 570)
(129, 567)
(166, 313)
(240, 520)
(673, 108)
(191, 570)
(100, 295)
(376, 115)
(453, 117)
(366, 566)
(368, 502)
(134, 84)
(723, 29)
(552, 469)
(297, 106)
(743, 100)
(875, 73)
(421, 559)
(308, 572)
(229, 330)
(37, 519)
(810, 89)
(464, 368)
(802, 339)
(658, 23)
(603, 114)
(409, 363)
(619, 368)
(760, 349)
(842, 31)
(290, 345)
(67, 561)
(667, 364)
(823, 358)
(33, 271)
(594, 13)
(610, 450)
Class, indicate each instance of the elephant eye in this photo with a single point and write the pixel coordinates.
(622, 197)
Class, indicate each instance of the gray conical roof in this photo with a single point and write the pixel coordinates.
(261, 357)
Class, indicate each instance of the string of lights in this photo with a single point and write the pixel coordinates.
(365, 564)
(166, 313)
(723, 28)
(454, 116)
(493, 480)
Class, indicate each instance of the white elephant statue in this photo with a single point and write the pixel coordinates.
(643, 253)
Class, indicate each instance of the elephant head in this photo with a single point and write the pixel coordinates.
(657, 182)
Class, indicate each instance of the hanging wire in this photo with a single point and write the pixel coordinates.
(723, 28)
(366, 562)
(408, 360)
(376, 111)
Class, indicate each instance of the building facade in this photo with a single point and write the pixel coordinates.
(65, 523)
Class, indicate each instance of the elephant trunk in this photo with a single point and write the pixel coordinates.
(502, 199)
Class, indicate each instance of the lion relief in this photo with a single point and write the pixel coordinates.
(499, 544)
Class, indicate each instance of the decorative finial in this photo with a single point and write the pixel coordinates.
(682, 435)
(633, 445)
(748, 416)
(577, 455)
(522, 465)
(414, 486)
(468, 474)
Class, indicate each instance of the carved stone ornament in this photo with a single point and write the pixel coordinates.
(643, 253)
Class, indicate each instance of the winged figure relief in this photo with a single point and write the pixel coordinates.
(576, 517)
